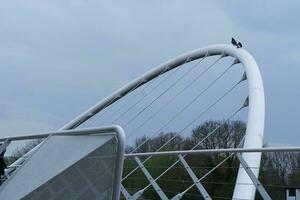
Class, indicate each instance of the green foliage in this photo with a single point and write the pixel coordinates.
(277, 170)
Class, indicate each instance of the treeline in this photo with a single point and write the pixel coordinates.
(278, 170)
(19, 152)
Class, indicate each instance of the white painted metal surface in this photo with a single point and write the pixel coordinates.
(255, 126)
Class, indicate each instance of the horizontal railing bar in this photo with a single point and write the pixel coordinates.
(29, 137)
(205, 151)
(103, 130)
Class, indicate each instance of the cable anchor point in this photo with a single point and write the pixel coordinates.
(246, 103)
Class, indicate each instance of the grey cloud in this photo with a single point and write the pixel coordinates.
(273, 17)
(59, 57)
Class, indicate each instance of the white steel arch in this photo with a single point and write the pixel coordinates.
(256, 113)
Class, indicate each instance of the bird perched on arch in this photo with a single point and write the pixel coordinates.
(236, 43)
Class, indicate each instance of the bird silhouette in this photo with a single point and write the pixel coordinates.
(239, 45)
(233, 42)
(236, 43)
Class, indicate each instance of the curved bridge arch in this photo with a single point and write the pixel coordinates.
(256, 113)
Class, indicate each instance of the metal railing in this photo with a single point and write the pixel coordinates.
(115, 130)
(195, 181)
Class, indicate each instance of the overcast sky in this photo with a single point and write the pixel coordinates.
(57, 58)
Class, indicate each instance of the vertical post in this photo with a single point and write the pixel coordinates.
(120, 136)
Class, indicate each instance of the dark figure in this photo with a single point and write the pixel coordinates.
(236, 43)
(2, 164)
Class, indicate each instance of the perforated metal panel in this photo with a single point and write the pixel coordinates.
(89, 178)
(74, 164)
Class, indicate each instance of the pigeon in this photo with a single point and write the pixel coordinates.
(239, 45)
(233, 42)
(236, 43)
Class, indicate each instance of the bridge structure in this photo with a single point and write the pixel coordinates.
(98, 154)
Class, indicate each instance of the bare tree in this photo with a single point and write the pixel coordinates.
(19, 152)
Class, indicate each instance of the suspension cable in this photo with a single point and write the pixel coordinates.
(173, 98)
(190, 103)
(210, 171)
(134, 88)
(143, 97)
(109, 105)
(196, 118)
(166, 90)
(194, 147)
(127, 102)
(201, 141)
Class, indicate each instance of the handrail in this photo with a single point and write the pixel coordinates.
(105, 130)
(206, 151)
